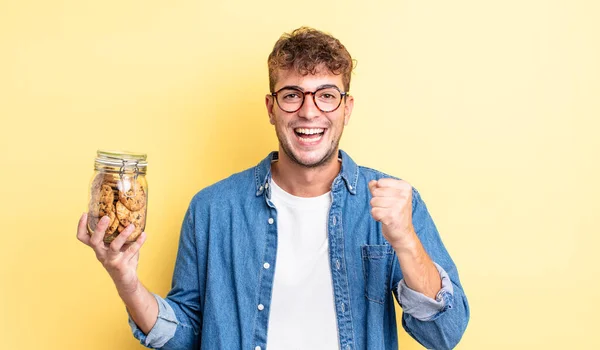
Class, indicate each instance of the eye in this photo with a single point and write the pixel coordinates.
(290, 95)
(328, 95)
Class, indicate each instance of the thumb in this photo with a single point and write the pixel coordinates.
(372, 185)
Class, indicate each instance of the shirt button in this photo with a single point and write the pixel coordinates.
(266, 185)
(350, 187)
(260, 188)
(261, 307)
(271, 221)
(334, 221)
(266, 265)
(257, 348)
(337, 264)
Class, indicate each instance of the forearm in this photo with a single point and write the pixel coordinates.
(438, 318)
(173, 322)
(420, 274)
(445, 329)
(142, 307)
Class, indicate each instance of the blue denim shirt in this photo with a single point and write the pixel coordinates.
(226, 263)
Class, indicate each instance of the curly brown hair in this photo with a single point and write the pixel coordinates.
(305, 50)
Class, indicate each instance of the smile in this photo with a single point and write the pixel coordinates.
(309, 135)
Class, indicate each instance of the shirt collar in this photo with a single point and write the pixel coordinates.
(349, 172)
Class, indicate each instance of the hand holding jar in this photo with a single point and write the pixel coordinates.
(114, 225)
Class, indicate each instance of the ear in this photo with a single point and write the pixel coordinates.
(270, 104)
(348, 106)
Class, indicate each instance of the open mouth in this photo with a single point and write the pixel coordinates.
(309, 135)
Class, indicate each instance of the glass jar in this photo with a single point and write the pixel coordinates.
(118, 190)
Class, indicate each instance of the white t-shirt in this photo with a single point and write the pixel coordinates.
(302, 312)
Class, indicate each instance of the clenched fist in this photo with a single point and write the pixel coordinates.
(392, 206)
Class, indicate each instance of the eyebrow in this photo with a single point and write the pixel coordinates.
(324, 86)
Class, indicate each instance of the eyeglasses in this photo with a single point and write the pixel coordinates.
(327, 99)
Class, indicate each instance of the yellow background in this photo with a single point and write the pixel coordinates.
(490, 109)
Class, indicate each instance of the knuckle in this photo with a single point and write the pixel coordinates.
(113, 265)
(100, 258)
(97, 244)
(376, 213)
(115, 245)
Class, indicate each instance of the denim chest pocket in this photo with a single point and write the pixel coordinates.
(377, 266)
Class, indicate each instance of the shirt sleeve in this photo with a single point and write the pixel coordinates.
(163, 330)
(421, 306)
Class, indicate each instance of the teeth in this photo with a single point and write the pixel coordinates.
(308, 131)
(310, 139)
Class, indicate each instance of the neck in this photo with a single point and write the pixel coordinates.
(302, 181)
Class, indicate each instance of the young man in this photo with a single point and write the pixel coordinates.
(305, 250)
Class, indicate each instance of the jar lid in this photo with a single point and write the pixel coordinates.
(121, 158)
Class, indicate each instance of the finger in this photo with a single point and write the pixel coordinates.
(383, 202)
(117, 243)
(386, 192)
(82, 233)
(98, 236)
(380, 214)
(393, 183)
(135, 247)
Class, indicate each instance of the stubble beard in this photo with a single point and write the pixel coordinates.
(331, 153)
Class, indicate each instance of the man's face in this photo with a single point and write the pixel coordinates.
(309, 137)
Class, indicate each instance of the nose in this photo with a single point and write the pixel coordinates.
(309, 109)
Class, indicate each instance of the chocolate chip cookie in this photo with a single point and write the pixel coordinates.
(135, 198)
